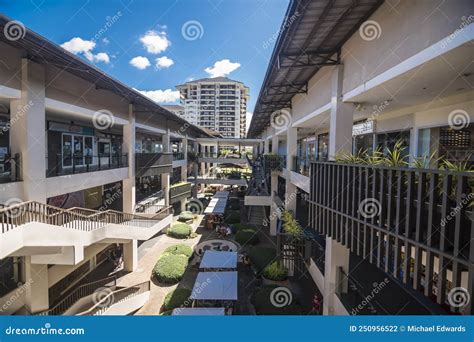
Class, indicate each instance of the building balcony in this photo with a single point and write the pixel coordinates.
(180, 191)
(10, 168)
(416, 225)
(59, 165)
(153, 164)
(273, 162)
(178, 155)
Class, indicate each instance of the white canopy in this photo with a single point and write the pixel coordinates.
(219, 259)
(198, 312)
(218, 203)
(215, 286)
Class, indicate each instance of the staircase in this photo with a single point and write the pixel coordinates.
(38, 229)
(257, 215)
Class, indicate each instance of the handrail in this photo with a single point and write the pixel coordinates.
(81, 292)
(142, 208)
(116, 297)
(76, 218)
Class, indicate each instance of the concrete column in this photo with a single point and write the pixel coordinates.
(129, 184)
(28, 130)
(165, 177)
(36, 294)
(341, 117)
(274, 142)
(336, 256)
(184, 169)
(266, 146)
(130, 256)
(291, 151)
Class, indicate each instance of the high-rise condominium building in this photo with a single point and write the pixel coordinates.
(216, 103)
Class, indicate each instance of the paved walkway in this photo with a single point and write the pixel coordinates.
(148, 256)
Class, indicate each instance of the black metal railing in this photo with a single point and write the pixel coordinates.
(178, 155)
(180, 190)
(59, 165)
(398, 217)
(10, 168)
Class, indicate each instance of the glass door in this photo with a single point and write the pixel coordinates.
(78, 150)
(67, 150)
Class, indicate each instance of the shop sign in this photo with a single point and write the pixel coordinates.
(363, 128)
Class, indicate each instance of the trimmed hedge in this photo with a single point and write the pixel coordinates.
(179, 231)
(176, 299)
(170, 268)
(275, 272)
(247, 236)
(179, 249)
(186, 216)
(261, 257)
(262, 299)
(232, 217)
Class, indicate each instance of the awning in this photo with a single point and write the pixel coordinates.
(215, 286)
(218, 203)
(219, 259)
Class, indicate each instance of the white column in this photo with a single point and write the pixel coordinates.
(37, 286)
(129, 186)
(341, 117)
(130, 256)
(165, 177)
(336, 256)
(267, 146)
(28, 131)
(274, 142)
(291, 151)
(184, 169)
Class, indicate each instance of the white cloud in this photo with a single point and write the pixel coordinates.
(248, 120)
(102, 57)
(164, 62)
(105, 41)
(155, 42)
(80, 46)
(222, 68)
(161, 96)
(140, 62)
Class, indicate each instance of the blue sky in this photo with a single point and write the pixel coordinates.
(154, 45)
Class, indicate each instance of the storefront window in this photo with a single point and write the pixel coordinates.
(323, 143)
(386, 141)
(363, 143)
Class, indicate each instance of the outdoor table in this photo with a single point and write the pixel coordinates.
(215, 286)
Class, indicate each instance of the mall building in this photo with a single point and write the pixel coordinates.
(375, 76)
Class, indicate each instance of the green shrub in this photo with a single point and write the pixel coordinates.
(275, 272)
(261, 257)
(232, 217)
(186, 216)
(170, 268)
(179, 231)
(247, 236)
(180, 249)
(240, 226)
(261, 300)
(177, 298)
